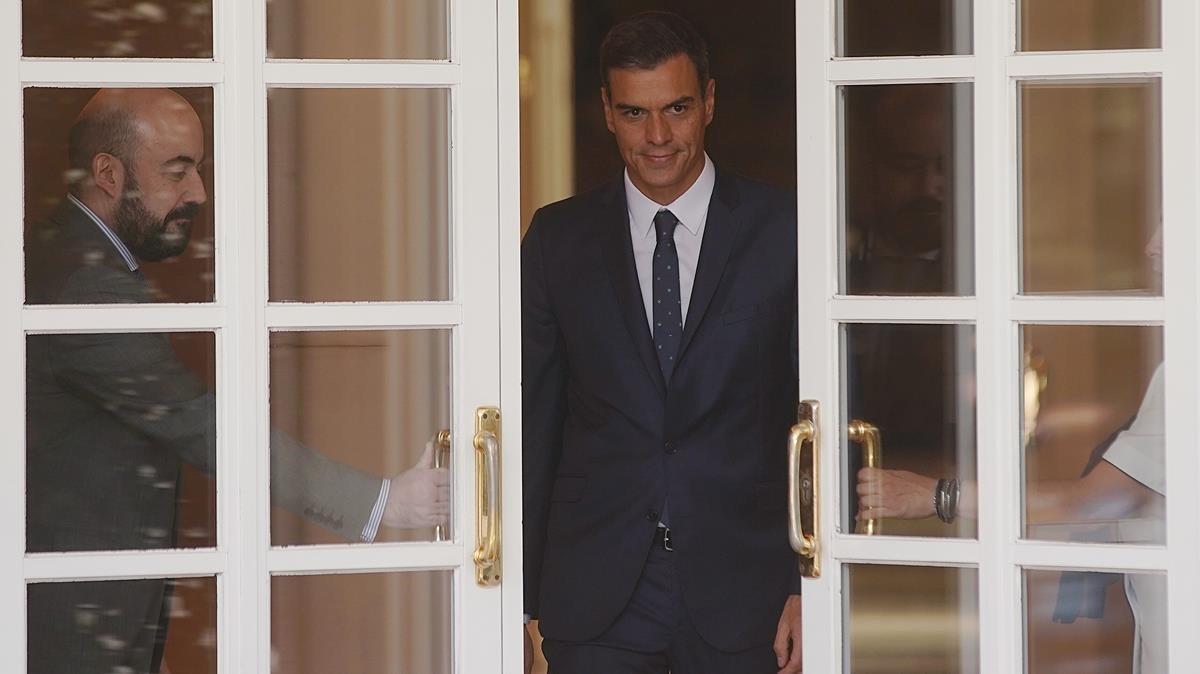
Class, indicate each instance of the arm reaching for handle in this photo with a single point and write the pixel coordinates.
(420, 496)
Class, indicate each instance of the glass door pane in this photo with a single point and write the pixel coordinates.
(907, 209)
(1061, 25)
(122, 626)
(1093, 432)
(1091, 186)
(375, 29)
(373, 403)
(903, 619)
(910, 28)
(913, 388)
(359, 195)
(117, 28)
(395, 622)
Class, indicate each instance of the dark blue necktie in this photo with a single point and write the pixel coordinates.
(668, 308)
(668, 311)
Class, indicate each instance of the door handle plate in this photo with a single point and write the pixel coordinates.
(487, 496)
(867, 435)
(441, 459)
(804, 492)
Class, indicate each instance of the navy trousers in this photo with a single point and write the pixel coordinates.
(653, 635)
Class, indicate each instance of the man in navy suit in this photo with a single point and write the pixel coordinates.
(659, 383)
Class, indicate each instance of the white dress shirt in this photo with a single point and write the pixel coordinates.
(691, 209)
(117, 243)
(1140, 452)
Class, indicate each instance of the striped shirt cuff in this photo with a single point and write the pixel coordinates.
(370, 531)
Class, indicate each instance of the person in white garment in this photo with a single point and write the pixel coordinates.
(1129, 484)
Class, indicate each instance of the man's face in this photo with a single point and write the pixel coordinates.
(658, 117)
(163, 190)
(910, 168)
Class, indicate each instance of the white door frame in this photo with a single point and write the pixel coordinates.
(481, 75)
(997, 310)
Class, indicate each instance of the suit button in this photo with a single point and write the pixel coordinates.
(652, 515)
(669, 448)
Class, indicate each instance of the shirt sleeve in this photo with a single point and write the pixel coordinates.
(371, 530)
(1140, 450)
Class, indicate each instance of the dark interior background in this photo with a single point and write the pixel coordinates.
(752, 58)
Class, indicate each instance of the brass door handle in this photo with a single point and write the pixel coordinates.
(867, 435)
(804, 494)
(487, 496)
(441, 459)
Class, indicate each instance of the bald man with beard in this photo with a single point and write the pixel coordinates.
(111, 417)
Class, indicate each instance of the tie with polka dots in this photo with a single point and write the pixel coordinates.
(668, 312)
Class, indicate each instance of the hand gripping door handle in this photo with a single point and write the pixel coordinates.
(867, 435)
(804, 494)
(487, 496)
(441, 459)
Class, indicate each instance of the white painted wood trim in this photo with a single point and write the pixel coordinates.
(124, 565)
(1001, 634)
(12, 344)
(112, 72)
(816, 173)
(123, 318)
(509, 174)
(901, 69)
(1073, 65)
(361, 74)
(1181, 213)
(364, 315)
(910, 310)
(365, 557)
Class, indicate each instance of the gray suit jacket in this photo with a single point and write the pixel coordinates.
(110, 419)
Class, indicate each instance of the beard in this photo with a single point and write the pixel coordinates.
(149, 237)
(917, 226)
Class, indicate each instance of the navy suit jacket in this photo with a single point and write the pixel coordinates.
(607, 440)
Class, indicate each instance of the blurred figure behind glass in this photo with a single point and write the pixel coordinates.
(112, 416)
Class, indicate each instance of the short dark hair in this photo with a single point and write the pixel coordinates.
(646, 40)
(112, 131)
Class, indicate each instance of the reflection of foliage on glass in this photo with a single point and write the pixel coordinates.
(118, 28)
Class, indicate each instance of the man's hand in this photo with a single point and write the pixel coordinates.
(528, 650)
(788, 647)
(894, 493)
(420, 496)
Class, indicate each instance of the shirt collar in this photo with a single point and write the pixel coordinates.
(122, 249)
(691, 208)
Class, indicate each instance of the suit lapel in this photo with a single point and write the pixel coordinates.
(720, 231)
(622, 272)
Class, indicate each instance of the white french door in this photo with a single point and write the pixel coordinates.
(344, 286)
(973, 285)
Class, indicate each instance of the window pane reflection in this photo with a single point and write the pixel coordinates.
(117, 28)
(916, 385)
(1054, 25)
(372, 400)
(1094, 452)
(909, 28)
(1091, 186)
(374, 622)
(123, 626)
(111, 421)
(359, 198)
(375, 29)
(907, 225)
(158, 206)
(904, 619)
(1096, 622)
